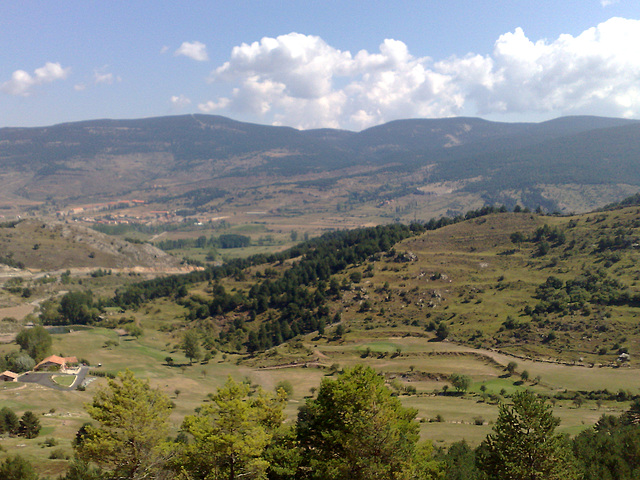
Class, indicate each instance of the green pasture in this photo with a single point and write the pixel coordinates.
(420, 363)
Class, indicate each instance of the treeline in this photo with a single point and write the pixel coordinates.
(630, 201)
(229, 240)
(299, 294)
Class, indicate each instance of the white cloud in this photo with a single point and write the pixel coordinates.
(194, 50)
(22, 82)
(596, 71)
(101, 76)
(606, 3)
(302, 81)
(211, 106)
(180, 101)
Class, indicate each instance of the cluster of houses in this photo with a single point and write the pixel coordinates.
(52, 362)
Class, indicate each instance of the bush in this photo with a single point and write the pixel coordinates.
(50, 442)
(17, 468)
(286, 386)
(59, 454)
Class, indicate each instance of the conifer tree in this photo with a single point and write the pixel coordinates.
(29, 425)
(230, 433)
(130, 438)
(356, 429)
(17, 468)
(524, 444)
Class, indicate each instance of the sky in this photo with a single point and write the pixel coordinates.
(314, 64)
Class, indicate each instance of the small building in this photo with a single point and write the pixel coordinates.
(8, 376)
(55, 361)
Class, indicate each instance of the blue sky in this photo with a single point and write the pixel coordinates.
(308, 64)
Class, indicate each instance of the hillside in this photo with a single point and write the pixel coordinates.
(39, 246)
(409, 169)
(543, 286)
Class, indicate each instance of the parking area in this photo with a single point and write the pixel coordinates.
(45, 378)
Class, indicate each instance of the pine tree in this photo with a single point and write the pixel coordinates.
(132, 429)
(29, 425)
(356, 429)
(17, 468)
(524, 445)
(9, 421)
(230, 434)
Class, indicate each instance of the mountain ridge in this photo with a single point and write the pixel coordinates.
(97, 159)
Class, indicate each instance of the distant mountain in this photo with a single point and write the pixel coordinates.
(82, 161)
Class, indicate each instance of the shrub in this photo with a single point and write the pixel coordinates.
(286, 386)
(59, 454)
(50, 442)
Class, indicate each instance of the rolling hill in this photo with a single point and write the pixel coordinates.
(35, 246)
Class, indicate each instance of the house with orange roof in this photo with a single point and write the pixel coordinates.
(55, 361)
(8, 376)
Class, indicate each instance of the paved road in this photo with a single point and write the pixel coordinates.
(44, 379)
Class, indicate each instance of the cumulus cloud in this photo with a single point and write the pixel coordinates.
(180, 101)
(211, 106)
(194, 50)
(22, 82)
(302, 81)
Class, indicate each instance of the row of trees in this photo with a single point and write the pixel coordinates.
(229, 240)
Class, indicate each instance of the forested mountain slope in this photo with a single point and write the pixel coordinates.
(159, 159)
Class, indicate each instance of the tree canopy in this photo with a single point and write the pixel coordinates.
(230, 433)
(35, 342)
(524, 444)
(356, 429)
(133, 427)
